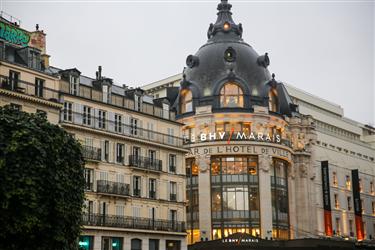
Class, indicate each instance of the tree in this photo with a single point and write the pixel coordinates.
(41, 183)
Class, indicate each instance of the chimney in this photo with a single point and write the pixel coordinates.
(45, 60)
(99, 72)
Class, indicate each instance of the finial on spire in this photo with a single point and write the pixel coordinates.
(224, 22)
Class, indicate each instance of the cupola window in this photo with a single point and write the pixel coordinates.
(273, 100)
(186, 101)
(231, 96)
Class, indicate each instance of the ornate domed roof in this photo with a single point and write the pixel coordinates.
(226, 58)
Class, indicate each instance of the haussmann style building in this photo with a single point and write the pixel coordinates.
(135, 168)
(265, 158)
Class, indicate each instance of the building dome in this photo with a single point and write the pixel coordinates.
(227, 59)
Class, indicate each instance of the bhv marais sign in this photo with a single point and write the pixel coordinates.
(13, 34)
(228, 136)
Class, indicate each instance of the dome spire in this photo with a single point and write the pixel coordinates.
(224, 23)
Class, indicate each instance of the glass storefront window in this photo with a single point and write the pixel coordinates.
(86, 243)
(279, 193)
(234, 195)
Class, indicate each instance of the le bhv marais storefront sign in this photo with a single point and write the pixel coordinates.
(238, 136)
(14, 35)
(232, 148)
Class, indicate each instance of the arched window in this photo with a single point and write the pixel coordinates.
(231, 96)
(273, 100)
(186, 101)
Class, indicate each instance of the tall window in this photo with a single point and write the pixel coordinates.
(152, 188)
(134, 126)
(74, 81)
(170, 132)
(172, 163)
(338, 226)
(186, 101)
(105, 93)
(348, 183)
(231, 96)
(106, 150)
(137, 186)
(334, 178)
(172, 191)
(86, 115)
(273, 100)
(39, 84)
(138, 102)
(120, 153)
(349, 203)
(68, 111)
(102, 119)
(337, 204)
(13, 79)
(118, 123)
(89, 179)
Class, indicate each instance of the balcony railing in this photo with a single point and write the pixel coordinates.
(120, 101)
(28, 88)
(152, 194)
(172, 168)
(172, 197)
(132, 222)
(145, 162)
(120, 128)
(137, 192)
(91, 153)
(110, 187)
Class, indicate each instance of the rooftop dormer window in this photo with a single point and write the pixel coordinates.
(74, 84)
(137, 102)
(165, 111)
(231, 96)
(105, 93)
(186, 101)
(273, 100)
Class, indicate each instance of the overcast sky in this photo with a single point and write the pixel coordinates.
(323, 47)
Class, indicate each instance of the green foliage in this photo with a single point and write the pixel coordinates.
(41, 183)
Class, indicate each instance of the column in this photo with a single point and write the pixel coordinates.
(97, 242)
(162, 244)
(265, 200)
(203, 162)
(145, 243)
(292, 202)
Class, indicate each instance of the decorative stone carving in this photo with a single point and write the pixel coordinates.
(203, 162)
(265, 162)
(292, 171)
(303, 170)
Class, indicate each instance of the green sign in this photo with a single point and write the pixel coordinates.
(13, 34)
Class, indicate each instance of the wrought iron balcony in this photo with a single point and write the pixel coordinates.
(27, 88)
(172, 168)
(105, 124)
(152, 194)
(137, 192)
(145, 163)
(173, 197)
(91, 153)
(110, 187)
(132, 222)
